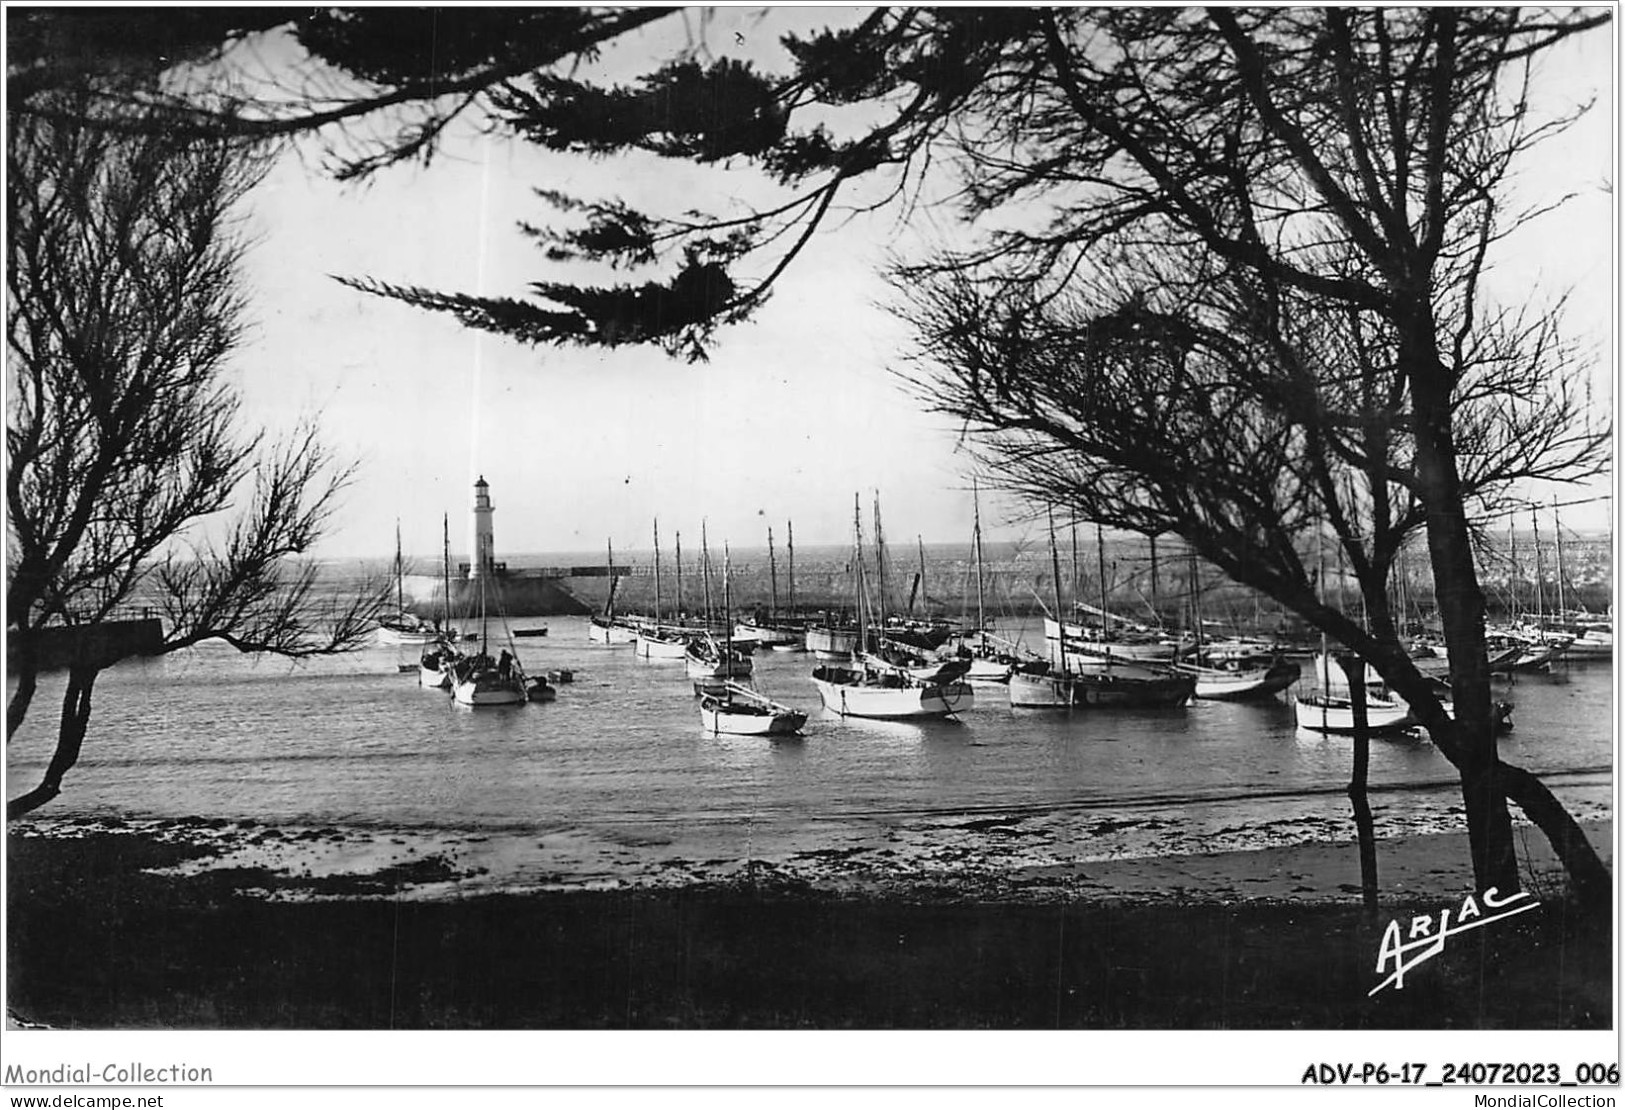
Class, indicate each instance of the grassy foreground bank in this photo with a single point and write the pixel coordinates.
(95, 941)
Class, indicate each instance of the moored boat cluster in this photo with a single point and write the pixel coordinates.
(872, 661)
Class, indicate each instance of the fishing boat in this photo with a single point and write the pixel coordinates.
(605, 627)
(775, 635)
(771, 630)
(480, 680)
(872, 687)
(1122, 686)
(1137, 645)
(1236, 680)
(832, 641)
(989, 665)
(740, 711)
(610, 630)
(992, 659)
(404, 627)
(1592, 636)
(1523, 649)
(1230, 674)
(1329, 708)
(709, 660)
(654, 640)
(437, 660)
(1109, 636)
(1036, 687)
(1102, 683)
(1093, 673)
(1593, 642)
(1322, 711)
(1042, 684)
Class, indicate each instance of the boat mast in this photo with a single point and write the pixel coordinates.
(861, 644)
(728, 629)
(790, 545)
(484, 623)
(609, 604)
(1156, 600)
(1540, 593)
(976, 538)
(919, 583)
(657, 573)
(1196, 603)
(1557, 528)
(1077, 576)
(1055, 575)
(1324, 663)
(772, 578)
(679, 578)
(705, 574)
(445, 567)
(400, 589)
(1517, 571)
(880, 563)
(1100, 558)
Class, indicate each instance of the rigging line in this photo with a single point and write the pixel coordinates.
(1522, 505)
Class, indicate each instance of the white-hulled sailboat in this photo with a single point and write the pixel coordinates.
(605, 628)
(403, 626)
(1330, 706)
(992, 658)
(870, 687)
(1046, 686)
(738, 710)
(709, 661)
(1231, 676)
(654, 641)
(478, 680)
(774, 633)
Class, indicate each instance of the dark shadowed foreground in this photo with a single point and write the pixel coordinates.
(96, 941)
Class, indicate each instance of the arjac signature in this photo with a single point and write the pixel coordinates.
(1427, 935)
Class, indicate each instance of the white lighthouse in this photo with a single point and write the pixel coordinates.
(484, 545)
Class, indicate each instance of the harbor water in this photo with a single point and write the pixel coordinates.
(348, 762)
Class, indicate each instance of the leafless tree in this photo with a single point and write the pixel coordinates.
(125, 446)
(1245, 440)
(1331, 172)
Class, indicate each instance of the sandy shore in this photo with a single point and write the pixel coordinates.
(214, 925)
(966, 859)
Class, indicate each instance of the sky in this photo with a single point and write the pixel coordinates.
(797, 411)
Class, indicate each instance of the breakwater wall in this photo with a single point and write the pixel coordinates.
(945, 587)
(91, 645)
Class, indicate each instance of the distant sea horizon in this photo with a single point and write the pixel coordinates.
(900, 554)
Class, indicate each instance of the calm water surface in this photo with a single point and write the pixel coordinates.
(620, 755)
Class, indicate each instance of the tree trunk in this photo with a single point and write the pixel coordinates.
(1587, 873)
(70, 739)
(1354, 668)
(1461, 607)
(23, 696)
(1592, 884)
